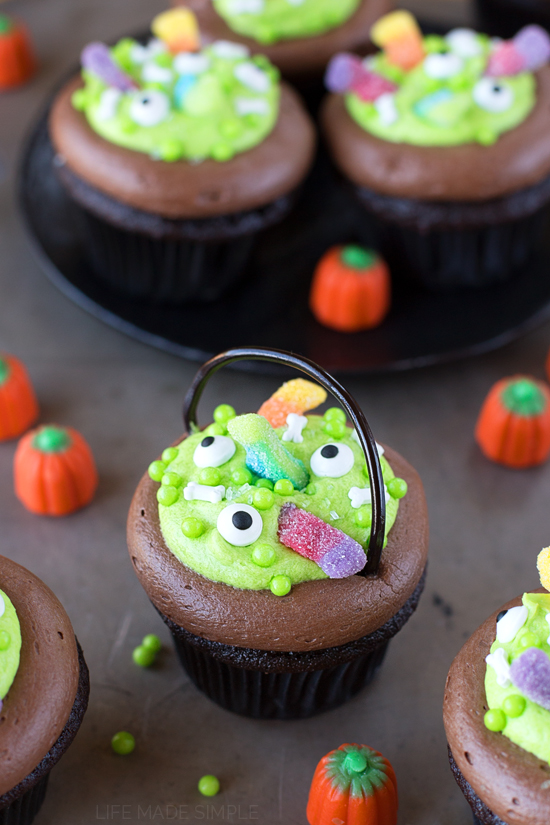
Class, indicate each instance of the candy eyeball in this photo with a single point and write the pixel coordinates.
(492, 95)
(240, 524)
(149, 107)
(332, 460)
(213, 451)
(510, 622)
(443, 66)
(464, 42)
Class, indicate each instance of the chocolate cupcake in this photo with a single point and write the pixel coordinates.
(178, 157)
(497, 713)
(444, 142)
(264, 548)
(299, 38)
(44, 689)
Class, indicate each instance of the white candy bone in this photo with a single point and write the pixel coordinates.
(296, 423)
(499, 662)
(202, 492)
(362, 495)
(252, 77)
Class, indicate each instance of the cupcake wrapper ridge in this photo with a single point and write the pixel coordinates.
(481, 813)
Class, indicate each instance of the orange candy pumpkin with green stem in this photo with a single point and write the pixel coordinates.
(17, 62)
(513, 427)
(55, 472)
(353, 785)
(351, 289)
(18, 404)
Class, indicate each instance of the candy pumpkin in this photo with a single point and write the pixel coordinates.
(18, 405)
(54, 470)
(353, 785)
(350, 289)
(513, 427)
(17, 63)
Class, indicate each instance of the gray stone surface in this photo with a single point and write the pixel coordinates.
(487, 523)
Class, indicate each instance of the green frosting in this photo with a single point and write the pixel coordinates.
(254, 567)
(268, 21)
(531, 728)
(216, 103)
(10, 644)
(427, 111)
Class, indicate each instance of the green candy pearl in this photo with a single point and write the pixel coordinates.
(171, 150)
(152, 642)
(51, 440)
(335, 414)
(495, 720)
(263, 499)
(263, 555)
(5, 640)
(363, 517)
(192, 527)
(172, 480)
(210, 476)
(209, 785)
(241, 477)
(284, 487)
(156, 470)
(397, 487)
(169, 454)
(335, 429)
(514, 706)
(123, 743)
(143, 656)
(529, 640)
(311, 490)
(167, 496)
(280, 585)
(265, 482)
(215, 429)
(224, 413)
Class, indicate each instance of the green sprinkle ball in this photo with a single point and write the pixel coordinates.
(210, 476)
(263, 499)
(224, 413)
(363, 516)
(514, 706)
(5, 640)
(209, 785)
(143, 656)
(334, 428)
(280, 585)
(284, 487)
(152, 642)
(171, 480)
(265, 482)
(263, 555)
(242, 476)
(529, 640)
(192, 527)
(397, 487)
(215, 429)
(123, 743)
(311, 490)
(495, 720)
(156, 470)
(167, 496)
(335, 414)
(169, 454)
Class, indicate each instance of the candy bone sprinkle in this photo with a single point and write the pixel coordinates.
(96, 58)
(363, 495)
(336, 553)
(530, 673)
(201, 492)
(297, 396)
(265, 454)
(499, 662)
(296, 423)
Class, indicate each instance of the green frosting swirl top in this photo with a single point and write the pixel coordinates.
(445, 100)
(190, 526)
(214, 103)
(269, 21)
(514, 693)
(10, 644)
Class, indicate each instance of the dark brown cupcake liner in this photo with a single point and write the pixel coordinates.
(481, 813)
(447, 245)
(271, 685)
(146, 256)
(20, 805)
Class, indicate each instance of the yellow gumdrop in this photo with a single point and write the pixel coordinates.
(543, 565)
(296, 396)
(178, 28)
(393, 26)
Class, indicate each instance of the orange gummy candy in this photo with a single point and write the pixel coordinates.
(405, 52)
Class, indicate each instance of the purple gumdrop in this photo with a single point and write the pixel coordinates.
(530, 673)
(341, 72)
(533, 43)
(96, 58)
(345, 559)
